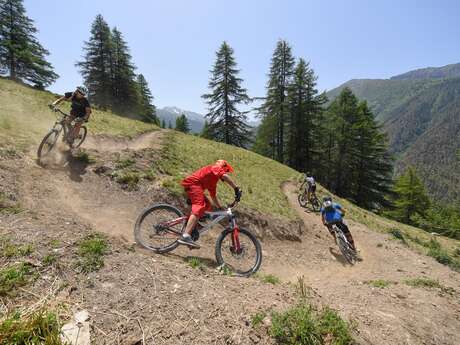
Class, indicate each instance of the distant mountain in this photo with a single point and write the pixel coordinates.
(422, 120)
(448, 71)
(171, 113)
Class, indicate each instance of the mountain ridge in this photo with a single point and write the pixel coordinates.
(422, 120)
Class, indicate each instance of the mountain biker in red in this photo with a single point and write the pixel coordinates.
(333, 213)
(80, 108)
(203, 179)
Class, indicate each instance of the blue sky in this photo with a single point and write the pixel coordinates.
(173, 42)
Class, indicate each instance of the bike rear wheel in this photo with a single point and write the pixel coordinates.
(158, 228)
(47, 144)
(81, 138)
(245, 262)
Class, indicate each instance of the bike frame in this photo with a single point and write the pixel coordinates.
(216, 217)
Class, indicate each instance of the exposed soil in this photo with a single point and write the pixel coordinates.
(162, 299)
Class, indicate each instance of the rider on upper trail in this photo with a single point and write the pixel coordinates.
(203, 179)
(333, 213)
(311, 185)
(80, 108)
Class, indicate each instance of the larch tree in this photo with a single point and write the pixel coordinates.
(227, 123)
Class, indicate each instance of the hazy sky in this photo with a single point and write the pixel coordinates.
(173, 42)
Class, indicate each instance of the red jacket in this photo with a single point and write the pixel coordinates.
(206, 177)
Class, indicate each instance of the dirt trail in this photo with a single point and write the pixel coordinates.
(74, 187)
(109, 144)
(398, 314)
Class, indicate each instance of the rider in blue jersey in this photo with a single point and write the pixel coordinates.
(333, 213)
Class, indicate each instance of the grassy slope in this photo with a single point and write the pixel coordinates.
(259, 177)
(25, 117)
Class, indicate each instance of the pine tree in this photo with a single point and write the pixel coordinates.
(305, 108)
(411, 198)
(170, 126)
(146, 108)
(226, 123)
(275, 109)
(371, 162)
(182, 124)
(342, 116)
(205, 131)
(96, 67)
(22, 57)
(124, 90)
(163, 123)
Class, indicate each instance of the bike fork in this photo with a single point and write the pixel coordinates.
(236, 238)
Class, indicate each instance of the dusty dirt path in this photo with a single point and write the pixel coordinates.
(76, 188)
(398, 314)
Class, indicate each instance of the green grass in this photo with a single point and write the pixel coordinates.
(257, 319)
(303, 325)
(379, 283)
(128, 177)
(25, 117)
(269, 278)
(124, 163)
(13, 277)
(428, 283)
(302, 289)
(49, 259)
(259, 177)
(39, 328)
(195, 262)
(9, 249)
(91, 251)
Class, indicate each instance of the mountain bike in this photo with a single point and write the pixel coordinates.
(159, 226)
(61, 126)
(345, 248)
(303, 201)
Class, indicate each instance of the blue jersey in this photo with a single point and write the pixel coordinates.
(333, 215)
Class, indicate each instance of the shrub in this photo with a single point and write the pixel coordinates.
(302, 325)
(398, 235)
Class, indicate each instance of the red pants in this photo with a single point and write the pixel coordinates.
(200, 202)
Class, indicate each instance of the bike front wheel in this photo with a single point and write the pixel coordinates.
(244, 262)
(346, 250)
(302, 198)
(47, 144)
(158, 228)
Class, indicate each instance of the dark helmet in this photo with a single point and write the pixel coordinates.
(327, 202)
(82, 90)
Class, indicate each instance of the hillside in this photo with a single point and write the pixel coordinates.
(422, 119)
(66, 234)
